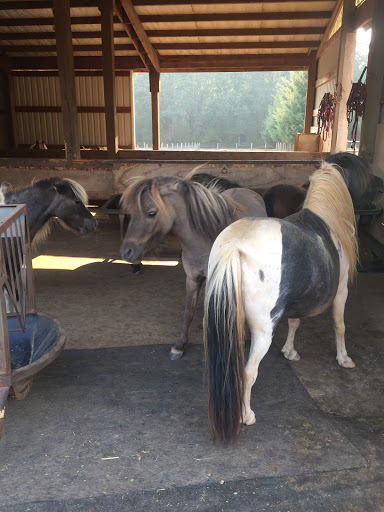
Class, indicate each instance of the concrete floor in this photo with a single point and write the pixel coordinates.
(103, 305)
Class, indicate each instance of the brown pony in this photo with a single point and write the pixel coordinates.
(284, 200)
(194, 214)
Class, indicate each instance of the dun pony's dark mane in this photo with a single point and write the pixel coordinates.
(208, 212)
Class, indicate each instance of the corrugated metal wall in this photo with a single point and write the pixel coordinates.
(44, 91)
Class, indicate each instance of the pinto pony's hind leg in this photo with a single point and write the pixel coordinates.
(289, 349)
(338, 317)
(261, 341)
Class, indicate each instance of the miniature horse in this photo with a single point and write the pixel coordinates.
(262, 269)
(52, 198)
(191, 212)
(284, 200)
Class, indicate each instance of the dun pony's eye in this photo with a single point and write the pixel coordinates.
(152, 213)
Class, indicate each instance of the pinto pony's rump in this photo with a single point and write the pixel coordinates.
(259, 270)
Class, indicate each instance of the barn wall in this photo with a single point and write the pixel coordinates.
(326, 80)
(103, 178)
(44, 91)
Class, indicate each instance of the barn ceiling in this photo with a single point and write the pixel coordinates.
(172, 35)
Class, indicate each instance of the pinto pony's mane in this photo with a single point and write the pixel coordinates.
(328, 197)
(208, 212)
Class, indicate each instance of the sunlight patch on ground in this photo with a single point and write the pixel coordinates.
(47, 262)
(157, 263)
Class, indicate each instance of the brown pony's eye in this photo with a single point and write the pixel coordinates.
(152, 213)
(77, 201)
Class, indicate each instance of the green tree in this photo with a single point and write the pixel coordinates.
(286, 115)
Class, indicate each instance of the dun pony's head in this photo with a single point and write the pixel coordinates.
(151, 215)
(67, 202)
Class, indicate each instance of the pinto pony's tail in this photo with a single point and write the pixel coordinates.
(224, 321)
(329, 198)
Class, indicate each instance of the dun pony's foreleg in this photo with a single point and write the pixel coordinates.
(289, 349)
(338, 317)
(261, 341)
(193, 287)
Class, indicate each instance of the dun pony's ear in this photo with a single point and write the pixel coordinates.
(168, 188)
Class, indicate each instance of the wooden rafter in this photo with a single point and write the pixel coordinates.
(283, 62)
(42, 4)
(141, 34)
(165, 46)
(130, 31)
(25, 22)
(216, 2)
(20, 36)
(234, 16)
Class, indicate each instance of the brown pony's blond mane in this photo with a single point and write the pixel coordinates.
(329, 198)
(208, 212)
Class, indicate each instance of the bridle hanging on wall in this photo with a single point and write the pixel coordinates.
(356, 106)
(325, 115)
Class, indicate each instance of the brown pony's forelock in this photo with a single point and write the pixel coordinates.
(134, 195)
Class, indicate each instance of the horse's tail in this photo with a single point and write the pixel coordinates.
(329, 198)
(224, 342)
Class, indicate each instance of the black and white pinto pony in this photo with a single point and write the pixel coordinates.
(50, 199)
(262, 269)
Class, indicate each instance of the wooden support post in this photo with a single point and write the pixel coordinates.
(154, 87)
(62, 19)
(374, 84)
(8, 139)
(310, 93)
(106, 9)
(344, 77)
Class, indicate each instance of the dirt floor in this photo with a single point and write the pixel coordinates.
(102, 304)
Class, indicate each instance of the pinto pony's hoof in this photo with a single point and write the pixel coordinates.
(346, 362)
(291, 355)
(249, 419)
(175, 354)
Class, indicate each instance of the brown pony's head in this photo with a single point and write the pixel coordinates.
(151, 215)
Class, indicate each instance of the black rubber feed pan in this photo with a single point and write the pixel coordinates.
(33, 349)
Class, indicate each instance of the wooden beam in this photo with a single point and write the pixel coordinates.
(61, 11)
(174, 63)
(25, 22)
(80, 110)
(41, 48)
(9, 102)
(216, 2)
(121, 14)
(374, 85)
(154, 87)
(88, 63)
(324, 46)
(310, 93)
(19, 36)
(236, 45)
(274, 62)
(106, 9)
(234, 16)
(330, 25)
(141, 34)
(164, 46)
(226, 156)
(345, 67)
(43, 4)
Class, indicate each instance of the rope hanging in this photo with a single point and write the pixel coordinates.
(356, 106)
(325, 115)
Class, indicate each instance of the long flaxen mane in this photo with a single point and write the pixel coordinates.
(329, 198)
(208, 212)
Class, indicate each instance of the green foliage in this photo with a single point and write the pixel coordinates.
(286, 114)
(209, 108)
